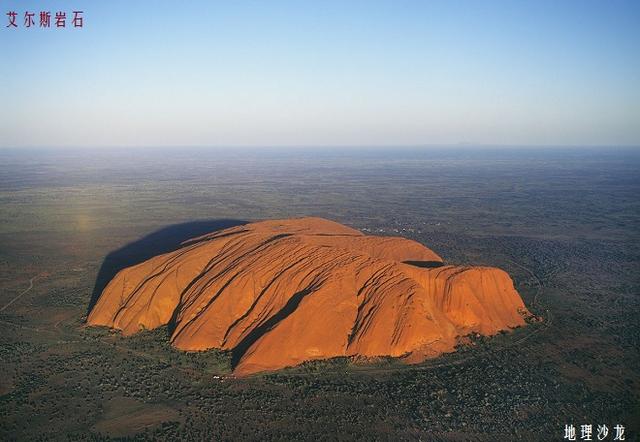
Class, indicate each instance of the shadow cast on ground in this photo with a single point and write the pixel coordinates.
(161, 241)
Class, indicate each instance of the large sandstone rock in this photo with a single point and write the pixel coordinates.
(281, 292)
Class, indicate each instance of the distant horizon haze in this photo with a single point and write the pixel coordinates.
(328, 147)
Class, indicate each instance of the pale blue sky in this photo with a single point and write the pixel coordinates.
(171, 73)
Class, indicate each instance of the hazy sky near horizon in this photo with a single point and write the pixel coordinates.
(214, 73)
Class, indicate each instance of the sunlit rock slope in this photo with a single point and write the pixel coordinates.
(281, 292)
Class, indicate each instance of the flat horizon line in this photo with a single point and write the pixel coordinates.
(329, 147)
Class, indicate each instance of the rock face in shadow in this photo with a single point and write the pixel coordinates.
(164, 240)
(281, 292)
